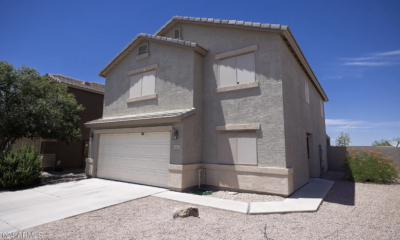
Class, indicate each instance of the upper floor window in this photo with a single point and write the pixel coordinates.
(322, 108)
(307, 91)
(237, 70)
(143, 84)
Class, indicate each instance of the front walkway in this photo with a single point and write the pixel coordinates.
(306, 199)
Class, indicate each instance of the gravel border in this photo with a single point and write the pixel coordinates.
(245, 197)
(53, 177)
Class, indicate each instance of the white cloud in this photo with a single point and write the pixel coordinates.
(389, 53)
(346, 124)
(332, 77)
(369, 63)
(358, 59)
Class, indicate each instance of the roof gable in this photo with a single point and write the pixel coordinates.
(129, 48)
(283, 30)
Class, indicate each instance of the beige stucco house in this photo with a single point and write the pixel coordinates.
(237, 99)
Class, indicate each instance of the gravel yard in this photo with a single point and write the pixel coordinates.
(350, 211)
(245, 197)
(53, 177)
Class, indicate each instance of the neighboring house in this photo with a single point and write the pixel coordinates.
(235, 98)
(91, 96)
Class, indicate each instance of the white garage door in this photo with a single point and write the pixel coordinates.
(136, 158)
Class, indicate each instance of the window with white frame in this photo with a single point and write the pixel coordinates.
(322, 108)
(143, 84)
(237, 70)
(307, 91)
(237, 147)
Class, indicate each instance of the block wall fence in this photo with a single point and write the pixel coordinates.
(336, 153)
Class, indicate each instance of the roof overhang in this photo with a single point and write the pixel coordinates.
(82, 88)
(284, 31)
(129, 48)
(142, 119)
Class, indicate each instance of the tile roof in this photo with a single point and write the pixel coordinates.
(283, 30)
(181, 113)
(150, 37)
(76, 83)
(255, 25)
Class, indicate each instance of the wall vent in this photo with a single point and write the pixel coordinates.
(177, 33)
(143, 49)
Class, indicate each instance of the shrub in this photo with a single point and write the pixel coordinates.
(20, 167)
(371, 166)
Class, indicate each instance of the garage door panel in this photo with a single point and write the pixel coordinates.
(135, 158)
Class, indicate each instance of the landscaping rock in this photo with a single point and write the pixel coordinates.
(186, 211)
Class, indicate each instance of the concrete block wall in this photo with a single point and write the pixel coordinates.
(335, 153)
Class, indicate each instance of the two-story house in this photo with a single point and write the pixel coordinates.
(237, 99)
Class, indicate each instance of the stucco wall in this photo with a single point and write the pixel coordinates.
(258, 105)
(174, 81)
(301, 118)
(192, 133)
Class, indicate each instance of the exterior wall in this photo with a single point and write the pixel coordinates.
(36, 142)
(336, 153)
(174, 81)
(192, 134)
(178, 86)
(71, 155)
(257, 105)
(301, 118)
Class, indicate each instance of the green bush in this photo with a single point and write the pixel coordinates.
(370, 167)
(20, 167)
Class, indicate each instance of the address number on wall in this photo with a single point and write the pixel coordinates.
(176, 147)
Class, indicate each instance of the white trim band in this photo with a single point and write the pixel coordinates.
(143, 69)
(236, 52)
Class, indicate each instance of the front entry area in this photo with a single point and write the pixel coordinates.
(135, 157)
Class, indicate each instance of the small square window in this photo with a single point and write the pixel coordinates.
(143, 49)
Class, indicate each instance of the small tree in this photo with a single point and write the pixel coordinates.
(33, 106)
(397, 141)
(382, 142)
(343, 140)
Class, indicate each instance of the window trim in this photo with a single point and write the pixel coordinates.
(141, 98)
(237, 52)
(138, 71)
(236, 150)
(237, 86)
(143, 69)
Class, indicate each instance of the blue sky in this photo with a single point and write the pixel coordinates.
(353, 47)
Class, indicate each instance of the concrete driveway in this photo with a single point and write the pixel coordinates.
(28, 208)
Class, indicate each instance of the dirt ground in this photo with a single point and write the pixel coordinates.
(349, 211)
(53, 177)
